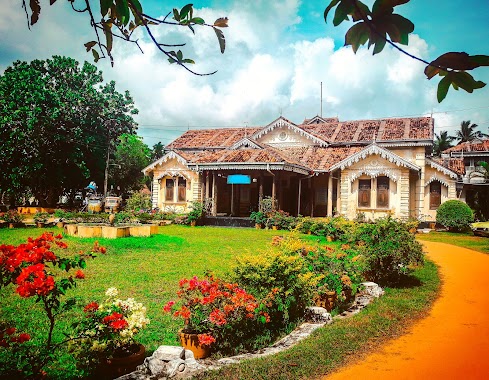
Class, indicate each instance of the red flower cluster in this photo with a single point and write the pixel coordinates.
(115, 321)
(34, 280)
(7, 337)
(91, 307)
(79, 274)
(211, 305)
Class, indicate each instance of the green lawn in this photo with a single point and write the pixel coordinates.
(466, 240)
(148, 269)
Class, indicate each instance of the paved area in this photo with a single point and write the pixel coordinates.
(453, 341)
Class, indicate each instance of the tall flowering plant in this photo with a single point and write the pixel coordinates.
(29, 267)
(221, 313)
(108, 329)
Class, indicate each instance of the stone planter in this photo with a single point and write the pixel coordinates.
(111, 232)
(191, 342)
(60, 224)
(41, 224)
(258, 226)
(15, 225)
(71, 229)
(89, 231)
(143, 230)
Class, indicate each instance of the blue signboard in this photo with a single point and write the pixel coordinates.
(239, 179)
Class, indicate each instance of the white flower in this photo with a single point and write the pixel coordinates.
(111, 292)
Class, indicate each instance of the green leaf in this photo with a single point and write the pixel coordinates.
(187, 60)
(176, 15)
(122, 11)
(379, 45)
(328, 8)
(171, 60)
(108, 35)
(361, 13)
(443, 88)
(398, 28)
(481, 60)
(466, 81)
(357, 35)
(96, 56)
(185, 11)
(342, 12)
(104, 6)
(137, 5)
(386, 6)
(220, 38)
(179, 55)
(90, 45)
(198, 20)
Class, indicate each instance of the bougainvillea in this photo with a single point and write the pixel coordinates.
(217, 311)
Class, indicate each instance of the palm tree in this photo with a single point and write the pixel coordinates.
(467, 132)
(442, 142)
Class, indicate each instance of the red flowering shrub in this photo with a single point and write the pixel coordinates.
(220, 312)
(29, 267)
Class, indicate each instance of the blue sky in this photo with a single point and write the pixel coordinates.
(277, 54)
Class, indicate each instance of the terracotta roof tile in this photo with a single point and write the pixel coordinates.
(320, 158)
(479, 146)
(347, 131)
(393, 130)
(419, 128)
(207, 138)
(322, 131)
(454, 164)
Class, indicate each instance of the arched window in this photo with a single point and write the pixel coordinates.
(435, 195)
(383, 192)
(182, 189)
(364, 193)
(169, 190)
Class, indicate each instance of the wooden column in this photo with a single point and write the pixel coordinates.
(274, 190)
(175, 189)
(311, 195)
(207, 186)
(260, 192)
(214, 194)
(338, 193)
(330, 195)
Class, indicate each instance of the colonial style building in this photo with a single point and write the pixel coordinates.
(320, 167)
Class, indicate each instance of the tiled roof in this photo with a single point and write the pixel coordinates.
(207, 138)
(420, 128)
(454, 164)
(318, 158)
(240, 155)
(479, 146)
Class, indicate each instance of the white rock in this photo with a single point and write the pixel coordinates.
(372, 289)
(168, 353)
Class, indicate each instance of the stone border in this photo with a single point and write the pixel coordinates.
(175, 362)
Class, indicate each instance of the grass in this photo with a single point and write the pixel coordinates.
(466, 240)
(345, 340)
(148, 269)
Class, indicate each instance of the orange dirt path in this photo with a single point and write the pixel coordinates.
(452, 342)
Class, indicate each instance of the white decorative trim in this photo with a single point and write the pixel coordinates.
(441, 168)
(322, 120)
(249, 166)
(169, 156)
(371, 150)
(245, 143)
(173, 173)
(374, 169)
(434, 177)
(282, 122)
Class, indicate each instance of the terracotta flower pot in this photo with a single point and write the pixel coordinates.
(326, 300)
(191, 342)
(121, 365)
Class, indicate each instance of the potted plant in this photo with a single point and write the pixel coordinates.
(13, 218)
(106, 337)
(196, 214)
(41, 219)
(259, 218)
(212, 311)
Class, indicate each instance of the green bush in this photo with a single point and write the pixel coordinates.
(282, 281)
(455, 215)
(138, 201)
(389, 249)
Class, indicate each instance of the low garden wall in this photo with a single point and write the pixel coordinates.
(109, 232)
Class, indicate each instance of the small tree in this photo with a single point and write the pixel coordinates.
(138, 201)
(455, 215)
